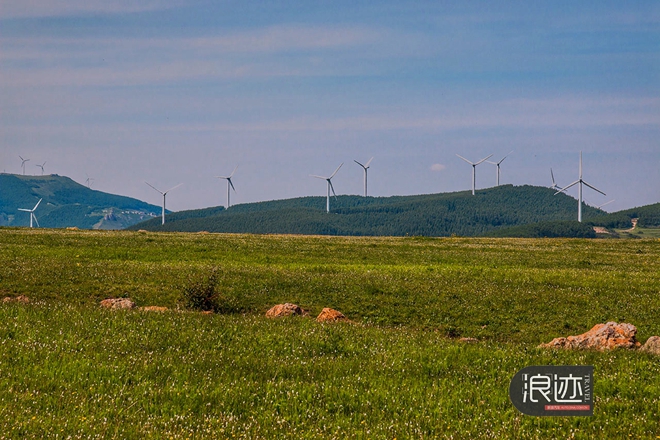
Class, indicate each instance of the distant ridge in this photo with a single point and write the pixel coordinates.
(67, 204)
(444, 214)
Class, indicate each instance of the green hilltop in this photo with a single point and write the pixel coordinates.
(67, 204)
(445, 214)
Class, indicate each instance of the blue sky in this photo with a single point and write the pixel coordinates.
(182, 91)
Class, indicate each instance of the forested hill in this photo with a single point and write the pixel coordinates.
(458, 213)
(67, 203)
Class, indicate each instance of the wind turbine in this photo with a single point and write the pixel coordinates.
(498, 166)
(474, 168)
(164, 194)
(580, 182)
(88, 181)
(23, 163)
(31, 211)
(42, 167)
(365, 167)
(330, 187)
(554, 185)
(229, 184)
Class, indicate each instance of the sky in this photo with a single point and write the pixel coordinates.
(182, 91)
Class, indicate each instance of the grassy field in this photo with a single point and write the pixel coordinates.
(71, 370)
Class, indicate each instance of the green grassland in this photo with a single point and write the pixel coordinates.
(70, 369)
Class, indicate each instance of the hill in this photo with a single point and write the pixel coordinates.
(67, 203)
(444, 214)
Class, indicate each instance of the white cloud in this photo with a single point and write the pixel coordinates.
(437, 167)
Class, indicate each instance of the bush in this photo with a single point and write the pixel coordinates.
(201, 294)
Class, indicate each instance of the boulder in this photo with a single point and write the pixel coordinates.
(286, 309)
(118, 303)
(331, 315)
(652, 345)
(154, 309)
(601, 337)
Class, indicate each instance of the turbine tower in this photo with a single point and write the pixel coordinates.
(365, 167)
(330, 187)
(23, 163)
(580, 182)
(229, 184)
(498, 167)
(31, 211)
(42, 167)
(164, 195)
(474, 168)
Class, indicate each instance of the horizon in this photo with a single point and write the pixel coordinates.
(176, 92)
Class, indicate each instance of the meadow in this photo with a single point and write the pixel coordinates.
(71, 370)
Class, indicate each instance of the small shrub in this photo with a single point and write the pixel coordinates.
(201, 294)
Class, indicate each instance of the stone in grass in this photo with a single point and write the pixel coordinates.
(20, 299)
(286, 309)
(468, 340)
(601, 337)
(118, 303)
(652, 345)
(331, 315)
(154, 309)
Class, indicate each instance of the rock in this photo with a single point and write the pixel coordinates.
(286, 309)
(652, 345)
(331, 315)
(468, 340)
(154, 309)
(601, 337)
(142, 231)
(118, 303)
(20, 299)
(72, 228)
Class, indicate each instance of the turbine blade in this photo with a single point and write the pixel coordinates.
(553, 178)
(332, 188)
(318, 177)
(594, 188)
(222, 177)
(369, 162)
(232, 173)
(23, 209)
(359, 163)
(153, 187)
(465, 159)
(565, 188)
(494, 163)
(483, 159)
(174, 187)
(35, 219)
(231, 184)
(35, 206)
(333, 174)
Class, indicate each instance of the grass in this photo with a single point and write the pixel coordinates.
(71, 370)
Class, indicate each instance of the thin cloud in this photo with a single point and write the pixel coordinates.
(437, 167)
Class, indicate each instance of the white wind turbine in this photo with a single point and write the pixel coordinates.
(229, 183)
(498, 167)
(474, 167)
(365, 167)
(330, 187)
(164, 195)
(31, 211)
(42, 167)
(23, 163)
(554, 184)
(580, 182)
